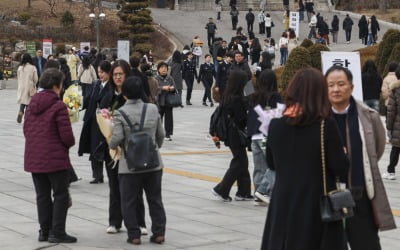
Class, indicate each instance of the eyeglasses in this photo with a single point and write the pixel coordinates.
(118, 74)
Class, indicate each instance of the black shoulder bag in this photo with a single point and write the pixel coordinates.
(337, 204)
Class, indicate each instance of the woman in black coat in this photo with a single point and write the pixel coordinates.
(363, 29)
(371, 84)
(294, 152)
(335, 28)
(234, 108)
(374, 29)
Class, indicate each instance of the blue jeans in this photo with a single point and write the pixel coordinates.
(263, 177)
(370, 39)
(284, 54)
(372, 103)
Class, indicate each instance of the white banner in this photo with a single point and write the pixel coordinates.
(294, 22)
(123, 50)
(350, 60)
(83, 45)
(47, 48)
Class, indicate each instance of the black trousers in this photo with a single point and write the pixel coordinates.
(114, 209)
(207, 91)
(168, 120)
(361, 230)
(249, 27)
(261, 27)
(22, 108)
(210, 38)
(268, 30)
(238, 171)
(348, 35)
(234, 22)
(394, 159)
(52, 213)
(97, 169)
(189, 84)
(131, 185)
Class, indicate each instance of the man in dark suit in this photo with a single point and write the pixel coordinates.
(223, 72)
(39, 62)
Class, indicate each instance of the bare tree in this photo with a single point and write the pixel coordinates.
(93, 4)
(29, 3)
(383, 5)
(52, 6)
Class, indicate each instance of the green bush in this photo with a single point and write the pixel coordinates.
(67, 19)
(141, 48)
(24, 17)
(299, 58)
(33, 22)
(315, 53)
(389, 40)
(307, 43)
(394, 56)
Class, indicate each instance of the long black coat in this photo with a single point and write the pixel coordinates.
(294, 219)
(92, 140)
(363, 29)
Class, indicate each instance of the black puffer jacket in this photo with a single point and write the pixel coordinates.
(393, 113)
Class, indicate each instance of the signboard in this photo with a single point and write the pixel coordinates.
(294, 22)
(350, 60)
(20, 46)
(123, 50)
(83, 45)
(47, 47)
(31, 48)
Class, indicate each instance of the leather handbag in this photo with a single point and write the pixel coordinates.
(173, 99)
(337, 204)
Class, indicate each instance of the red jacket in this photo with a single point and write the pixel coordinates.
(48, 134)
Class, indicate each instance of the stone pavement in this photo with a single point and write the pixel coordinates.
(195, 219)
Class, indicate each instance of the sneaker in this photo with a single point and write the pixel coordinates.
(220, 197)
(143, 231)
(212, 104)
(168, 138)
(389, 176)
(258, 202)
(265, 198)
(248, 197)
(62, 239)
(188, 103)
(112, 230)
(157, 239)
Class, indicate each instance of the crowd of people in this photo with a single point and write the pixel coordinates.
(320, 112)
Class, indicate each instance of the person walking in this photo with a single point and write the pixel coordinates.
(389, 79)
(266, 95)
(176, 71)
(347, 27)
(363, 135)
(72, 61)
(374, 29)
(189, 73)
(363, 30)
(48, 138)
(39, 62)
(86, 76)
(250, 20)
(211, 30)
(232, 3)
(309, 4)
(261, 22)
(371, 85)
(166, 85)
(323, 30)
(298, 169)
(283, 47)
(27, 78)
(240, 63)
(268, 25)
(145, 68)
(313, 26)
(223, 73)
(133, 183)
(292, 41)
(218, 9)
(234, 16)
(234, 109)
(255, 51)
(301, 9)
(206, 75)
(335, 29)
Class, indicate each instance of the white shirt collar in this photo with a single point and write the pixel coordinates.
(343, 112)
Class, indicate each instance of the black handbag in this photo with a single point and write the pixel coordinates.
(173, 99)
(337, 204)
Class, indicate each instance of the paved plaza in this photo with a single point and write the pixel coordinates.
(195, 219)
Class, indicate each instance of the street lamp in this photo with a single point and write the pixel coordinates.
(98, 19)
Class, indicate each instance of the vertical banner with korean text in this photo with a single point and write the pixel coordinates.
(350, 60)
(47, 47)
(294, 22)
(31, 48)
(123, 50)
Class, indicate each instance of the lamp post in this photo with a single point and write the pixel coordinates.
(97, 18)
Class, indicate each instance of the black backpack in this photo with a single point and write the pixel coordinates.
(141, 152)
(219, 124)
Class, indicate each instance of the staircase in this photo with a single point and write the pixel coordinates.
(244, 5)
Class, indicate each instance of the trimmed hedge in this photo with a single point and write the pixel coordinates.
(299, 58)
(390, 39)
(307, 43)
(315, 53)
(394, 56)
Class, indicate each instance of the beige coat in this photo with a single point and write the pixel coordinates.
(374, 139)
(86, 76)
(27, 78)
(387, 81)
(72, 60)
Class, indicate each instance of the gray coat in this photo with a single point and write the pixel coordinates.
(176, 73)
(163, 81)
(121, 130)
